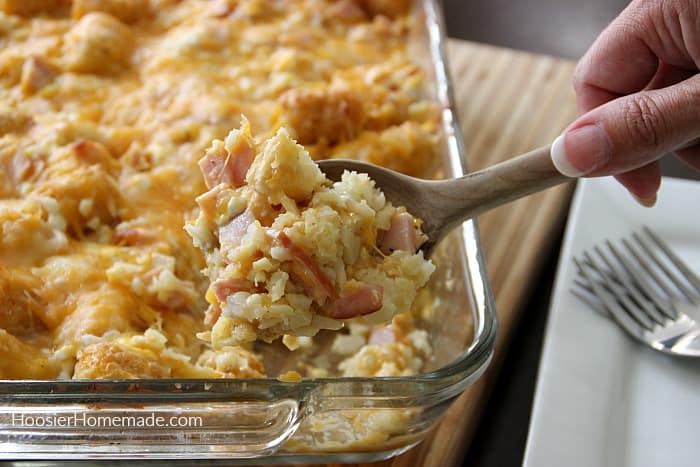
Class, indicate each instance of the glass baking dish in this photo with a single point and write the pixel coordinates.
(253, 421)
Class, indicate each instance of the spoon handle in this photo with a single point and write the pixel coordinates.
(475, 193)
(472, 194)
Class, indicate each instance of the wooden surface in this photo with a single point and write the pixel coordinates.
(508, 103)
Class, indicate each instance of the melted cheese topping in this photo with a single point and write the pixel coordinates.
(105, 109)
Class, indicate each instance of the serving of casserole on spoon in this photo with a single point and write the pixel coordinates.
(290, 252)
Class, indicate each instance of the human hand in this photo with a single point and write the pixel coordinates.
(638, 90)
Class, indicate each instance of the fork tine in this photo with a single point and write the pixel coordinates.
(608, 263)
(645, 264)
(640, 282)
(673, 277)
(584, 292)
(612, 280)
(629, 286)
(611, 304)
(669, 310)
(618, 292)
(610, 276)
(597, 307)
(581, 283)
(682, 267)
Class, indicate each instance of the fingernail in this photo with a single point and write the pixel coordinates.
(581, 151)
(646, 202)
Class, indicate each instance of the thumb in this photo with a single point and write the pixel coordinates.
(630, 132)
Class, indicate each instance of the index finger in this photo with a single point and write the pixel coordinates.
(626, 56)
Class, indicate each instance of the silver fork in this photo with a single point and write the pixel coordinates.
(647, 289)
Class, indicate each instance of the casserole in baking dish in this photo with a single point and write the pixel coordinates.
(106, 109)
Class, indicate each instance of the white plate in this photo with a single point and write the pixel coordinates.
(602, 399)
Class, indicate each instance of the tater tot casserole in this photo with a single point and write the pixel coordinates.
(124, 256)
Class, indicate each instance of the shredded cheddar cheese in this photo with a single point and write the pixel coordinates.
(106, 108)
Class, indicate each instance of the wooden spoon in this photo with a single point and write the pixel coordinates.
(445, 204)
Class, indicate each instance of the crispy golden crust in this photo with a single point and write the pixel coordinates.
(30, 7)
(20, 303)
(109, 360)
(126, 11)
(329, 115)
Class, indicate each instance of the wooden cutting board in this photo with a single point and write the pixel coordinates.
(508, 103)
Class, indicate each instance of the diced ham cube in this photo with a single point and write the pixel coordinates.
(230, 167)
(36, 73)
(401, 234)
(212, 315)
(307, 272)
(207, 202)
(357, 299)
(240, 158)
(223, 288)
(230, 235)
